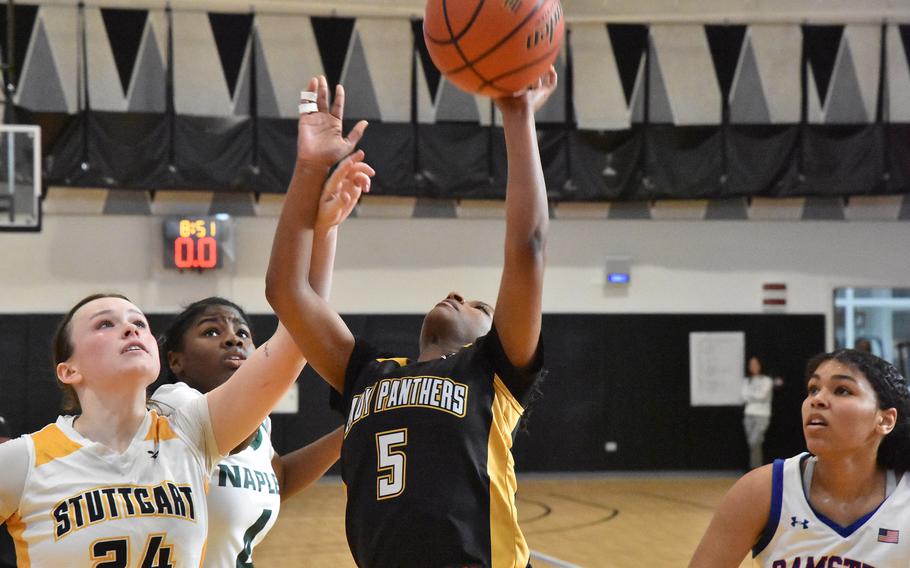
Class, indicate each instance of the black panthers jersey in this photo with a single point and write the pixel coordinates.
(427, 459)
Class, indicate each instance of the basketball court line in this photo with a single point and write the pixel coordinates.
(551, 560)
(677, 500)
(612, 514)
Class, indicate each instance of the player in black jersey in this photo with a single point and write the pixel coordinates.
(426, 456)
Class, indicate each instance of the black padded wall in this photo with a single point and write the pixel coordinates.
(621, 378)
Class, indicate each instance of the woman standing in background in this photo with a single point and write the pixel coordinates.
(756, 390)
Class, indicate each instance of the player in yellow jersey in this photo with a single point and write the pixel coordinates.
(115, 484)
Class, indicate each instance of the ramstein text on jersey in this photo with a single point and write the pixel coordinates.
(125, 501)
(437, 393)
(821, 562)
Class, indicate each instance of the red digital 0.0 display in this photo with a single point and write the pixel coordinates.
(197, 243)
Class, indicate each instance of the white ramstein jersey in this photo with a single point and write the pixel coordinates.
(243, 498)
(798, 537)
(84, 504)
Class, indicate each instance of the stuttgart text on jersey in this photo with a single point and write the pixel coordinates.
(437, 393)
(123, 501)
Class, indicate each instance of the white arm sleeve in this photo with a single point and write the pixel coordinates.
(195, 424)
(14, 456)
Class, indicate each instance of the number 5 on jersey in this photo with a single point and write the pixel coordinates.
(391, 464)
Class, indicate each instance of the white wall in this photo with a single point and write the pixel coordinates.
(406, 265)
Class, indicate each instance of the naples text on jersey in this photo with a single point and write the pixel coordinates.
(239, 476)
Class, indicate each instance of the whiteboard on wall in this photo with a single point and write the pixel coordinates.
(716, 368)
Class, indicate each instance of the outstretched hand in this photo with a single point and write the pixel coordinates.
(320, 140)
(342, 190)
(534, 97)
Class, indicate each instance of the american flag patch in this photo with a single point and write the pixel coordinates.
(888, 535)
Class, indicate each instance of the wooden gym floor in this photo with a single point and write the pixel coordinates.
(603, 521)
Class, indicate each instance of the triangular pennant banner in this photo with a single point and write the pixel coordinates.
(266, 103)
(629, 42)
(41, 88)
(149, 91)
(726, 43)
(660, 110)
(232, 34)
(124, 32)
(24, 16)
(430, 72)
(747, 100)
(845, 103)
(821, 44)
(905, 36)
(265, 92)
(360, 99)
(333, 35)
(453, 104)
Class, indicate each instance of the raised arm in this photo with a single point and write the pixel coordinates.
(299, 469)
(320, 333)
(518, 306)
(738, 522)
(238, 406)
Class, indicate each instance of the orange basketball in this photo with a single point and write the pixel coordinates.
(493, 47)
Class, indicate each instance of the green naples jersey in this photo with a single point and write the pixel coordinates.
(427, 457)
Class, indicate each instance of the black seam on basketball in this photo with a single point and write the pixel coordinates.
(493, 48)
(453, 38)
(468, 64)
(517, 69)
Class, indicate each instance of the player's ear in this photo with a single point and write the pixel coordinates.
(175, 362)
(886, 420)
(68, 373)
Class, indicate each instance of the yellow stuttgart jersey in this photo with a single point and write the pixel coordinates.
(84, 504)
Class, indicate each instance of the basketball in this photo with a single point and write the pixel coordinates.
(493, 48)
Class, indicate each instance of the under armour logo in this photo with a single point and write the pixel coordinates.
(153, 453)
(794, 522)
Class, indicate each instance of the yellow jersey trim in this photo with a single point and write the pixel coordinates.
(51, 443)
(16, 529)
(160, 429)
(508, 548)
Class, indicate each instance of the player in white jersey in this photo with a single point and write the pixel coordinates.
(83, 504)
(115, 484)
(846, 504)
(203, 347)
